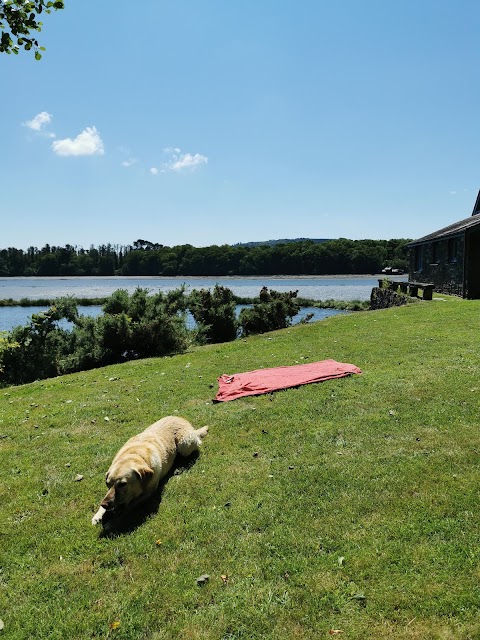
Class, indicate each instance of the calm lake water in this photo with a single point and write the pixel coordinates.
(313, 287)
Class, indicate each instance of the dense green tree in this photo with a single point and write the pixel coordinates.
(106, 266)
(48, 265)
(18, 21)
(367, 256)
(145, 258)
(84, 264)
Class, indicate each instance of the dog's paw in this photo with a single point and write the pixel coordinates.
(98, 517)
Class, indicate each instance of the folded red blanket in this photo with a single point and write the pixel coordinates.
(252, 383)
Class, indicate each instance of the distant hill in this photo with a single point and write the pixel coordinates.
(272, 243)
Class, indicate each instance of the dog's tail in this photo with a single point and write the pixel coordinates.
(202, 432)
(189, 442)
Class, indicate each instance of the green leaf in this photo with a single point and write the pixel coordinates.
(38, 55)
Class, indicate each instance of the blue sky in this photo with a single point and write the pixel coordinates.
(219, 122)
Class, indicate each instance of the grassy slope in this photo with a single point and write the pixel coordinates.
(348, 505)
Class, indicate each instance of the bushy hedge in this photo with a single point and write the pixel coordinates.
(131, 326)
(215, 314)
(32, 351)
(137, 325)
(274, 310)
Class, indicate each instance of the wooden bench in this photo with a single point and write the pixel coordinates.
(410, 288)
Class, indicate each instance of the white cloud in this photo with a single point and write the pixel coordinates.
(179, 161)
(188, 161)
(153, 171)
(129, 162)
(87, 143)
(40, 120)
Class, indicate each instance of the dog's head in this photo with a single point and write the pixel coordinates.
(126, 481)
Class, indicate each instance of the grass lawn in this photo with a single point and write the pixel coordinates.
(348, 506)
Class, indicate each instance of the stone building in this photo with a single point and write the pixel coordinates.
(450, 258)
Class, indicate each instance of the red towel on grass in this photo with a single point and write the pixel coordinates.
(252, 383)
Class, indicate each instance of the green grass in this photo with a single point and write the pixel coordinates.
(349, 505)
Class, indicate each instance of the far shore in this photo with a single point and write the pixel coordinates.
(355, 276)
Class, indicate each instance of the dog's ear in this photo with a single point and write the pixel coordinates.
(144, 473)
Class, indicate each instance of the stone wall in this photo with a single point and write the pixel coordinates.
(439, 266)
(386, 298)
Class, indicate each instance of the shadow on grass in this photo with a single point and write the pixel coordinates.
(128, 523)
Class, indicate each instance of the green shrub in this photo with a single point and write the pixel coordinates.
(214, 313)
(135, 326)
(274, 310)
(118, 302)
(32, 352)
(132, 326)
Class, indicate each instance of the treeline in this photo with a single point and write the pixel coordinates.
(144, 258)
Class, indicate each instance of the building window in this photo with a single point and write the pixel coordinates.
(435, 253)
(419, 258)
(452, 250)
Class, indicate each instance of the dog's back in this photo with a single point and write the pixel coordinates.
(159, 443)
(145, 459)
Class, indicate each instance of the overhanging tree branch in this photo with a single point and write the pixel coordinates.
(17, 22)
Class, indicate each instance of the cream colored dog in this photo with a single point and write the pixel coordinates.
(143, 461)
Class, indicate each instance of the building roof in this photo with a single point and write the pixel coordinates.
(452, 230)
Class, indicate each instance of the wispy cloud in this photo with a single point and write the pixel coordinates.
(179, 161)
(172, 150)
(153, 171)
(87, 143)
(39, 122)
(129, 162)
(188, 161)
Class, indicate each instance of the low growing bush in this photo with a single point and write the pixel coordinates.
(274, 310)
(136, 325)
(32, 352)
(132, 326)
(214, 313)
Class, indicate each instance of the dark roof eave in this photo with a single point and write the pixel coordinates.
(436, 238)
(453, 230)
